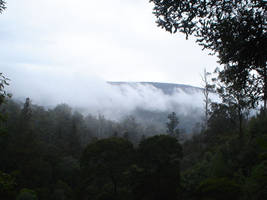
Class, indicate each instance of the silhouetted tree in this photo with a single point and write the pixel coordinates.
(131, 129)
(234, 30)
(103, 164)
(207, 89)
(237, 94)
(27, 111)
(172, 125)
(222, 114)
(74, 139)
(157, 175)
(3, 93)
(3, 79)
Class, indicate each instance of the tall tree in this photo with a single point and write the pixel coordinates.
(74, 137)
(131, 129)
(172, 125)
(4, 81)
(157, 175)
(243, 50)
(207, 89)
(236, 94)
(27, 111)
(103, 166)
(26, 117)
(4, 95)
(222, 114)
(234, 30)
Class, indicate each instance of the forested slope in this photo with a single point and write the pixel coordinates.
(56, 154)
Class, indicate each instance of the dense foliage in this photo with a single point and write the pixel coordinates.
(236, 31)
(59, 154)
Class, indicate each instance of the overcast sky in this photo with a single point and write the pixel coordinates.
(114, 40)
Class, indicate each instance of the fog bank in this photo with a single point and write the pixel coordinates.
(51, 86)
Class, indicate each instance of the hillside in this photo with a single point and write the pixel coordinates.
(166, 88)
(163, 99)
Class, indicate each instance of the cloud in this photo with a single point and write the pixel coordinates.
(49, 86)
(115, 40)
(62, 51)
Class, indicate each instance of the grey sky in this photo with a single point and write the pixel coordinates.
(105, 40)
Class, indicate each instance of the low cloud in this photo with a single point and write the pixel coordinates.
(51, 86)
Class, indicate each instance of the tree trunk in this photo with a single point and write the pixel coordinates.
(114, 181)
(265, 88)
(206, 97)
(240, 116)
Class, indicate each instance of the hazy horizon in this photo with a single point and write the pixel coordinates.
(120, 43)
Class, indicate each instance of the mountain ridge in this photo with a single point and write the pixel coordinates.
(167, 88)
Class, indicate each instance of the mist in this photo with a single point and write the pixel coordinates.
(90, 94)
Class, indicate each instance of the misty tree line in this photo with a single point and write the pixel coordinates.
(46, 155)
(62, 119)
(55, 154)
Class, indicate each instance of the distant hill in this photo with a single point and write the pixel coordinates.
(185, 100)
(167, 88)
